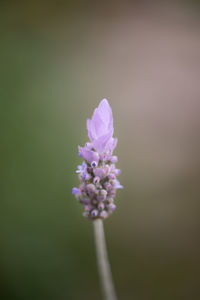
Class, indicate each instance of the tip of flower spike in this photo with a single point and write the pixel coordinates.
(104, 100)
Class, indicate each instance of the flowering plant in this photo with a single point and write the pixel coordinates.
(98, 173)
(98, 177)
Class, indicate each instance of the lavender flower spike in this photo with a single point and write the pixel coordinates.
(97, 173)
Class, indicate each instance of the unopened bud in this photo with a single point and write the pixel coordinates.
(94, 213)
(114, 159)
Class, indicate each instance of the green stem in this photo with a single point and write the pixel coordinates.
(103, 262)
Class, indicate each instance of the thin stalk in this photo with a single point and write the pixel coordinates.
(103, 262)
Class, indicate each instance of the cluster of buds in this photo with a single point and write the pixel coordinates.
(98, 187)
(98, 174)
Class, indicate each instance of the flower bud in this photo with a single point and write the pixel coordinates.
(111, 176)
(107, 169)
(85, 201)
(93, 164)
(94, 213)
(101, 206)
(117, 172)
(86, 176)
(111, 207)
(107, 186)
(112, 192)
(102, 195)
(99, 172)
(88, 207)
(95, 201)
(103, 214)
(75, 191)
(110, 200)
(113, 182)
(91, 189)
(89, 169)
(96, 180)
(85, 214)
(114, 159)
(88, 146)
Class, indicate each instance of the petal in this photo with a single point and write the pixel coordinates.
(118, 185)
(99, 172)
(100, 143)
(105, 113)
(75, 191)
(89, 130)
(101, 122)
(89, 155)
(98, 124)
(110, 146)
(95, 119)
(100, 128)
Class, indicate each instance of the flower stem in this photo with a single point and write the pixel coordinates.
(103, 262)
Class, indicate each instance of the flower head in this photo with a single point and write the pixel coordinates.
(98, 173)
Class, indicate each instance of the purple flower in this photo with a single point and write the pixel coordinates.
(112, 206)
(94, 213)
(114, 159)
(98, 172)
(75, 191)
(118, 185)
(88, 155)
(82, 168)
(117, 172)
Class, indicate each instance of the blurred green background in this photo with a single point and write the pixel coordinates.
(58, 60)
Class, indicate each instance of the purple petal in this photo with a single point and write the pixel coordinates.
(100, 127)
(99, 173)
(89, 155)
(90, 135)
(103, 214)
(105, 113)
(114, 159)
(117, 172)
(118, 185)
(81, 168)
(88, 146)
(75, 191)
(101, 122)
(92, 124)
(100, 143)
(112, 207)
(94, 213)
(110, 146)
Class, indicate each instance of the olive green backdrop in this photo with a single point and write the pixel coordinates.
(57, 61)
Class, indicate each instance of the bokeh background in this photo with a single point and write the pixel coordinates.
(58, 59)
